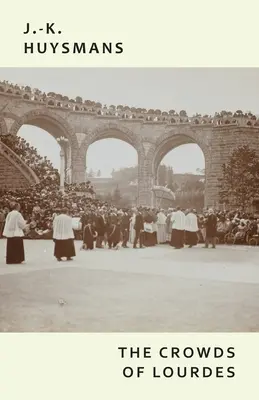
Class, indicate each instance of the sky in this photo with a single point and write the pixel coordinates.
(196, 90)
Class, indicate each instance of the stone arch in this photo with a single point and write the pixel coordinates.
(113, 131)
(171, 140)
(107, 130)
(54, 124)
(46, 120)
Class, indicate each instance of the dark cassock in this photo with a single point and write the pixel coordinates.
(13, 231)
(211, 229)
(84, 220)
(149, 238)
(191, 229)
(63, 236)
(89, 236)
(113, 231)
(125, 227)
(139, 230)
(178, 228)
(100, 227)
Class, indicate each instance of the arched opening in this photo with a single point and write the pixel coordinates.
(112, 167)
(45, 144)
(41, 133)
(179, 164)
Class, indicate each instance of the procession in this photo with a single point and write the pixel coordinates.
(106, 227)
(117, 218)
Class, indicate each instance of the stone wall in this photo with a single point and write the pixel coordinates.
(224, 141)
(10, 176)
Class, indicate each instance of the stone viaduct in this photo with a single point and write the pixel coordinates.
(152, 133)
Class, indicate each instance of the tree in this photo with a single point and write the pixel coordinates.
(116, 196)
(79, 100)
(239, 183)
(98, 173)
(183, 113)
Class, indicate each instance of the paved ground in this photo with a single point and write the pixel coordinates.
(154, 290)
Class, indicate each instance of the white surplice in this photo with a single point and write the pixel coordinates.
(178, 220)
(14, 225)
(191, 223)
(62, 227)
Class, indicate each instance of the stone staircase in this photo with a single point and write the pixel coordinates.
(14, 173)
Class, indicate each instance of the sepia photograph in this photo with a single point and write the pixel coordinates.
(129, 200)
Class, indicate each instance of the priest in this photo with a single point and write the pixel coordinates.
(178, 227)
(191, 228)
(161, 227)
(13, 231)
(63, 236)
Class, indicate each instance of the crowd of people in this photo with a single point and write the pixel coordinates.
(105, 226)
(99, 224)
(39, 202)
(42, 167)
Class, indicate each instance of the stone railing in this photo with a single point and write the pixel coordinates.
(78, 105)
(14, 159)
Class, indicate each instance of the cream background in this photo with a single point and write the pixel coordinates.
(155, 34)
(164, 33)
(88, 366)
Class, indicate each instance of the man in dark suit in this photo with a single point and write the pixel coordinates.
(211, 229)
(125, 226)
(100, 229)
(139, 229)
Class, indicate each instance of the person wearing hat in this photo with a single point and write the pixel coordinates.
(100, 228)
(125, 228)
(139, 229)
(211, 229)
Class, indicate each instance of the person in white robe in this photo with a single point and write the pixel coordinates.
(13, 231)
(191, 229)
(168, 222)
(161, 227)
(132, 224)
(178, 228)
(63, 236)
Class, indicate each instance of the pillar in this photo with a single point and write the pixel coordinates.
(62, 170)
(145, 182)
(78, 167)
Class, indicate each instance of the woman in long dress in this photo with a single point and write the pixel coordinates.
(13, 231)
